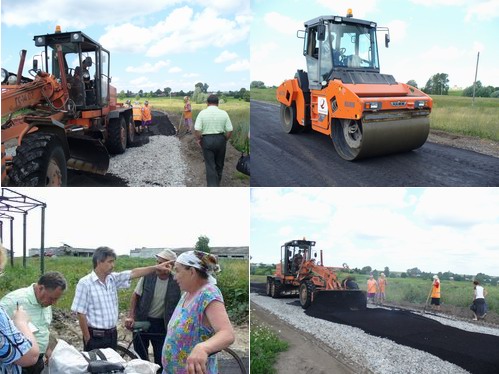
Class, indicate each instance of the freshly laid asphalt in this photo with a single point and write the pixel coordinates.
(477, 353)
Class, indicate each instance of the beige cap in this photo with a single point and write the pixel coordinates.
(167, 254)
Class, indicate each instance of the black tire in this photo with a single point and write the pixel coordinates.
(130, 133)
(40, 161)
(307, 289)
(239, 361)
(347, 138)
(268, 287)
(288, 119)
(126, 353)
(117, 135)
(275, 289)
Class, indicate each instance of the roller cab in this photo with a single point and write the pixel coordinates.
(345, 96)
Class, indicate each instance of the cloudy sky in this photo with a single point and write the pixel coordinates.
(128, 218)
(434, 229)
(427, 37)
(155, 44)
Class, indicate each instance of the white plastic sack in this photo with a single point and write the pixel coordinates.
(66, 359)
(140, 367)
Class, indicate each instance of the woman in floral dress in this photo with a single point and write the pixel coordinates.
(199, 326)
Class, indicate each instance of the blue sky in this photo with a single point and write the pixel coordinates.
(427, 37)
(435, 229)
(128, 218)
(155, 44)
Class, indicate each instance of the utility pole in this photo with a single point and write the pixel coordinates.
(474, 83)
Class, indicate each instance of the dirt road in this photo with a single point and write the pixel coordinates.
(309, 159)
(304, 354)
(191, 153)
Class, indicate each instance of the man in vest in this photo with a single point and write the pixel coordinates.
(146, 116)
(372, 288)
(435, 293)
(154, 300)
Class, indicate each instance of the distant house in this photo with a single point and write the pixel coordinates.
(220, 252)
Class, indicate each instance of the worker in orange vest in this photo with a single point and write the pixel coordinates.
(435, 293)
(381, 288)
(146, 116)
(372, 287)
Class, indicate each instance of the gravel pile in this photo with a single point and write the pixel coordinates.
(157, 163)
(366, 352)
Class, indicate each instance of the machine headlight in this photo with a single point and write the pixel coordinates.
(12, 79)
(86, 75)
(5, 75)
(39, 41)
(76, 37)
(420, 104)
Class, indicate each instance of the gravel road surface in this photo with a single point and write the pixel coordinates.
(309, 159)
(385, 347)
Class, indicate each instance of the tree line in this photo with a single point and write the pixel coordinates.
(198, 95)
(266, 269)
(438, 84)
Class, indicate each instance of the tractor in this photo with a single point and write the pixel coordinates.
(64, 116)
(344, 95)
(301, 273)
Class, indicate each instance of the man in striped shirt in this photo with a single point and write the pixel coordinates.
(96, 298)
(213, 129)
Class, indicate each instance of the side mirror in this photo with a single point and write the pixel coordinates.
(387, 40)
(321, 32)
(35, 64)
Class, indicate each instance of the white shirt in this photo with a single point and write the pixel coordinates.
(99, 301)
(479, 292)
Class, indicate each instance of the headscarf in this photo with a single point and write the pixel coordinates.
(205, 262)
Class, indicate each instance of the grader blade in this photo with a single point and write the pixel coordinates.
(88, 154)
(334, 300)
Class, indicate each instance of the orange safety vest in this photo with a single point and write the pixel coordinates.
(187, 111)
(371, 286)
(146, 113)
(435, 291)
(382, 284)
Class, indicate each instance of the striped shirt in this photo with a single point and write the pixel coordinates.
(213, 120)
(99, 301)
(13, 345)
(39, 316)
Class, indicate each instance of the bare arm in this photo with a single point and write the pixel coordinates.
(141, 272)
(20, 319)
(130, 320)
(82, 320)
(228, 135)
(217, 317)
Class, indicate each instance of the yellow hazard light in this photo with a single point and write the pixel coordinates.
(349, 12)
(58, 29)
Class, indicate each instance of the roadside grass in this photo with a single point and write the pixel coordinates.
(264, 94)
(453, 114)
(264, 348)
(415, 291)
(232, 280)
(238, 110)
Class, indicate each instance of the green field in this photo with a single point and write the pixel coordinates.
(416, 291)
(232, 280)
(238, 110)
(453, 114)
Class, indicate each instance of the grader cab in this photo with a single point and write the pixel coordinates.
(64, 116)
(301, 272)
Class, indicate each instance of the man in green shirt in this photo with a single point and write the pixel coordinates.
(212, 129)
(36, 300)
